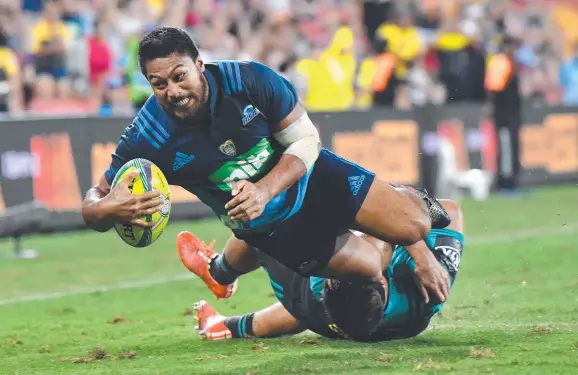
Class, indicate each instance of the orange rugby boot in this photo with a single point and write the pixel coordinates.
(197, 257)
(210, 324)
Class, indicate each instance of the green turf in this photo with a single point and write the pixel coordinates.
(514, 308)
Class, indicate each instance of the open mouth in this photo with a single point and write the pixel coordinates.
(182, 103)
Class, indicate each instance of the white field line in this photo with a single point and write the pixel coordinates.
(97, 289)
(501, 238)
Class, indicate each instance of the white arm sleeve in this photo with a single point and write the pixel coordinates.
(301, 139)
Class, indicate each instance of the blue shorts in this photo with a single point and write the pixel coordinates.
(56, 73)
(306, 241)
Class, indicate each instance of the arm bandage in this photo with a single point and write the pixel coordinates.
(301, 139)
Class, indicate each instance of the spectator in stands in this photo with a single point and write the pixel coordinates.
(429, 22)
(99, 60)
(422, 88)
(11, 95)
(375, 13)
(50, 37)
(330, 73)
(376, 80)
(53, 43)
(403, 40)
(139, 88)
(476, 68)
(452, 48)
(503, 84)
(569, 79)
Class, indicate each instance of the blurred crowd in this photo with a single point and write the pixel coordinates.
(79, 56)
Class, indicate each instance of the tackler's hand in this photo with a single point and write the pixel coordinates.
(432, 280)
(248, 201)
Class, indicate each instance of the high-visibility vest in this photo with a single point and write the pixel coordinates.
(498, 72)
(385, 64)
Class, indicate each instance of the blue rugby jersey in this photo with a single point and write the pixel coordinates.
(247, 100)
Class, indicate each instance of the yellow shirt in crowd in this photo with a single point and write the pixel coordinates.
(330, 78)
(44, 31)
(404, 42)
(364, 80)
(157, 6)
(452, 41)
(8, 61)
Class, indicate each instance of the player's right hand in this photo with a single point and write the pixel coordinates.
(122, 206)
(432, 280)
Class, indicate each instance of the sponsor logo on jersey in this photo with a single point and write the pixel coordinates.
(252, 164)
(249, 113)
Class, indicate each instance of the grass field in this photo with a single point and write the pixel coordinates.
(92, 305)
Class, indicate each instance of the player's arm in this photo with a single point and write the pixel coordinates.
(92, 211)
(102, 206)
(301, 140)
(290, 126)
(432, 279)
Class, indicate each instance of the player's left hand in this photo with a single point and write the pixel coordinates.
(248, 203)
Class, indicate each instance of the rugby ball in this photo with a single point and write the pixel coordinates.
(150, 178)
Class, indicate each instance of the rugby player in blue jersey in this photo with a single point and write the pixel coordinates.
(234, 134)
(303, 304)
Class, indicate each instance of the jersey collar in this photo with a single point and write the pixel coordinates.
(213, 91)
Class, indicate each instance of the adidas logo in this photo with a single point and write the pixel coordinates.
(181, 160)
(355, 183)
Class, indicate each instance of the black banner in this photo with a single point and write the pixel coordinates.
(54, 161)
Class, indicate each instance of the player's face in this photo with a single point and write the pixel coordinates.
(178, 84)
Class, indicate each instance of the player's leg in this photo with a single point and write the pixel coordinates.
(351, 197)
(399, 215)
(455, 212)
(218, 271)
(272, 321)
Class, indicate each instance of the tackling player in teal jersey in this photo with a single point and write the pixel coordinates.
(234, 134)
(304, 305)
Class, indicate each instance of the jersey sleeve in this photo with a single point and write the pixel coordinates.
(141, 139)
(273, 94)
(126, 150)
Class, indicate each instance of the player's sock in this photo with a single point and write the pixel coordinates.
(222, 271)
(241, 326)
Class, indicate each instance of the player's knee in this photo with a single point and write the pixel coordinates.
(455, 212)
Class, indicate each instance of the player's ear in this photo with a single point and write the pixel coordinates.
(201, 65)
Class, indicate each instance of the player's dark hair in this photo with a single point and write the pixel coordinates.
(165, 41)
(355, 306)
